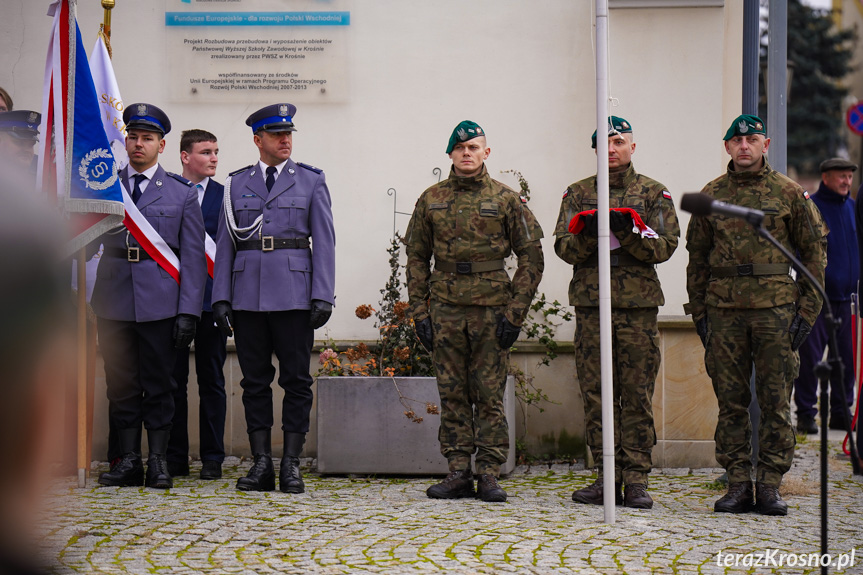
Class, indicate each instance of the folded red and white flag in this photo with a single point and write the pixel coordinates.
(576, 225)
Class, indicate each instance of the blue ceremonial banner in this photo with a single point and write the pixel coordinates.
(84, 171)
(257, 19)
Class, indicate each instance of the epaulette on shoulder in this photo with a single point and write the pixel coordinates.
(180, 179)
(243, 169)
(308, 167)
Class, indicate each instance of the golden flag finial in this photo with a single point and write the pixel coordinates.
(105, 28)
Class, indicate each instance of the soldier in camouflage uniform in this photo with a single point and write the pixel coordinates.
(637, 246)
(467, 311)
(747, 308)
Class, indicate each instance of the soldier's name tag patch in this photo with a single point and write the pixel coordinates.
(442, 206)
(488, 210)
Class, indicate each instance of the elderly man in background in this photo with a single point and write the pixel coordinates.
(834, 201)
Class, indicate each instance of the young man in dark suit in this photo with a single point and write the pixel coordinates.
(199, 153)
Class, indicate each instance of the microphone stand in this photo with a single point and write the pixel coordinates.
(823, 371)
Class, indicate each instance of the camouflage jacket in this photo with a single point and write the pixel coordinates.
(472, 219)
(721, 241)
(631, 285)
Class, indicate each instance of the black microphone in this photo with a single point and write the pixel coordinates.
(703, 205)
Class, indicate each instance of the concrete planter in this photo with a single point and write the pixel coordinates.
(362, 427)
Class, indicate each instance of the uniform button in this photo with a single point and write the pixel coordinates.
(739, 293)
(267, 221)
(269, 207)
(460, 294)
(459, 211)
(245, 205)
(293, 203)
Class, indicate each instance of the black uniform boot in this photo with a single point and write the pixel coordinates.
(593, 494)
(157, 466)
(737, 500)
(456, 485)
(129, 470)
(261, 476)
(768, 501)
(290, 480)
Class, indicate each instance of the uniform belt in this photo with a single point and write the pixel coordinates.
(469, 267)
(133, 254)
(617, 260)
(750, 270)
(269, 243)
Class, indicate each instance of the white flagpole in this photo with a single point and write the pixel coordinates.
(604, 263)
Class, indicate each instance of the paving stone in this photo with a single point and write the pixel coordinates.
(387, 525)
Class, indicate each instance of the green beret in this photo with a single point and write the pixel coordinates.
(745, 125)
(837, 164)
(465, 131)
(616, 126)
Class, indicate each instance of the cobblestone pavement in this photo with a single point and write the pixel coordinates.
(387, 525)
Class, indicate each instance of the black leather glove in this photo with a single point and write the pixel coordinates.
(506, 333)
(321, 312)
(799, 330)
(224, 316)
(701, 330)
(591, 223)
(619, 221)
(184, 330)
(426, 333)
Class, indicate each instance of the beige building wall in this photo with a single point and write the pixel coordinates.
(522, 70)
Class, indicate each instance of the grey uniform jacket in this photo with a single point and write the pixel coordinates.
(143, 291)
(298, 206)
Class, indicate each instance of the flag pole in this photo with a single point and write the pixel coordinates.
(604, 261)
(108, 5)
(85, 395)
(82, 255)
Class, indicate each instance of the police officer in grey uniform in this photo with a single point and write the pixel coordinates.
(143, 313)
(274, 284)
(19, 130)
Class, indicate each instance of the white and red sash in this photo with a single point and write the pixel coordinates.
(148, 238)
(210, 249)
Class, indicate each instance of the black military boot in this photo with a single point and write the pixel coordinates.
(456, 485)
(737, 500)
(157, 466)
(488, 489)
(129, 470)
(768, 501)
(290, 480)
(806, 425)
(635, 495)
(262, 476)
(592, 494)
(178, 468)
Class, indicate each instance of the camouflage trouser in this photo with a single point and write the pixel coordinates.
(736, 339)
(471, 378)
(635, 341)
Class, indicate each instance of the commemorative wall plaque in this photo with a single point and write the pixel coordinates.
(257, 50)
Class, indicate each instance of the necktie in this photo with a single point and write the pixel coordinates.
(136, 192)
(271, 177)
